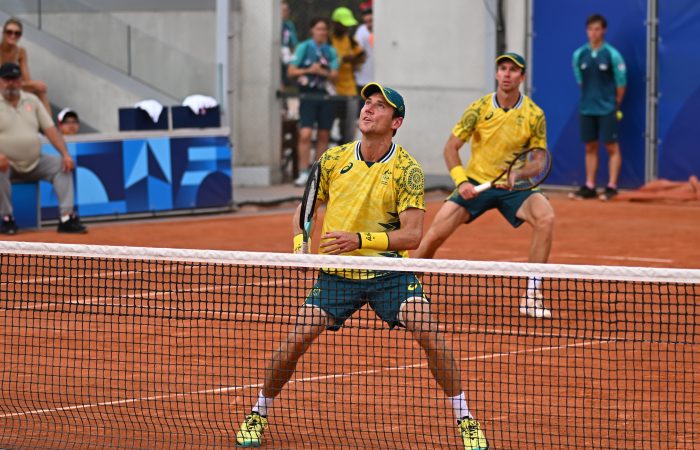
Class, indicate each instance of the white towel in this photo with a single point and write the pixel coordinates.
(152, 107)
(199, 103)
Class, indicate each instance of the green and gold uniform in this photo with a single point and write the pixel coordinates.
(497, 136)
(364, 196)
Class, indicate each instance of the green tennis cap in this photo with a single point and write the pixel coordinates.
(514, 57)
(344, 17)
(391, 96)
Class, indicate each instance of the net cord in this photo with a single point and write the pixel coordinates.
(493, 268)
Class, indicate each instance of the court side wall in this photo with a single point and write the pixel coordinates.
(440, 56)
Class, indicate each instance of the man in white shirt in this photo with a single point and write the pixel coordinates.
(365, 37)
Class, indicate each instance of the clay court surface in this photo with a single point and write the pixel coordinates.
(587, 232)
(617, 367)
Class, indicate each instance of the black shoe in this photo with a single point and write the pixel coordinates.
(608, 194)
(583, 193)
(72, 225)
(8, 225)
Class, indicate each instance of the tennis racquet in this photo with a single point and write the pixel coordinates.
(308, 205)
(527, 171)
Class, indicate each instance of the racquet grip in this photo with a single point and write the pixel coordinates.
(483, 187)
(299, 244)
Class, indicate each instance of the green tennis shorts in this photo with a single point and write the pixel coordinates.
(507, 202)
(341, 297)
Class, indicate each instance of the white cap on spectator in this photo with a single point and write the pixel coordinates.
(66, 111)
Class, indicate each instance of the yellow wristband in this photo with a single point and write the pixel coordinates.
(374, 241)
(458, 175)
(298, 243)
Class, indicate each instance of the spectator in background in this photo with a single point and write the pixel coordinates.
(601, 73)
(11, 52)
(21, 116)
(289, 42)
(364, 36)
(351, 56)
(315, 66)
(350, 53)
(68, 122)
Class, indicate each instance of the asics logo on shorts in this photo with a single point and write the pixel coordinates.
(412, 287)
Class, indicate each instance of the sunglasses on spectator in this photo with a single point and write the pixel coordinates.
(17, 33)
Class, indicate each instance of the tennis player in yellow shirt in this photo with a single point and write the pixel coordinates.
(500, 125)
(374, 195)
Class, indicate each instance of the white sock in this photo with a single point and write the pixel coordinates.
(459, 405)
(65, 217)
(263, 404)
(534, 284)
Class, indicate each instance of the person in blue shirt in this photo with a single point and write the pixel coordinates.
(315, 69)
(600, 72)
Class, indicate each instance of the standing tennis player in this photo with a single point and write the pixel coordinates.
(373, 190)
(500, 125)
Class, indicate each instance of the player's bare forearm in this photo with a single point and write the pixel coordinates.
(408, 237)
(451, 152)
(405, 238)
(296, 229)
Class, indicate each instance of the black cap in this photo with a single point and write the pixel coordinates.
(10, 70)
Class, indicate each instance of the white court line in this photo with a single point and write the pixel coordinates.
(52, 279)
(100, 274)
(152, 295)
(614, 258)
(300, 380)
(591, 257)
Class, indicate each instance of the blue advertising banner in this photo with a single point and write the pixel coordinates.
(559, 29)
(679, 89)
(146, 175)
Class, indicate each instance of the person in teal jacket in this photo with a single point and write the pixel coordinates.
(601, 73)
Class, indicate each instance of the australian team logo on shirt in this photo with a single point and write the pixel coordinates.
(386, 176)
(346, 169)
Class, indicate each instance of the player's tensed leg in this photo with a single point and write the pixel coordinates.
(415, 315)
(449, 217)
(539, 214)
(311, 321)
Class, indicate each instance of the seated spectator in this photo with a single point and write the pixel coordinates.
(68, 122)
(10, 51)
(315, 67)
(21, 116)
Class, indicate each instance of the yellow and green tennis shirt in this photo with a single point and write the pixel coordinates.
(366, 196)
(498, 135)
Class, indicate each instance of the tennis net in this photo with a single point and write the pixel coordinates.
(118, 347)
